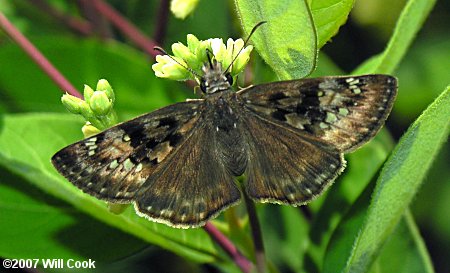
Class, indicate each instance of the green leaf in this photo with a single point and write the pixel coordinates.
(399, 180)
(362, 167)
(54, 228)
(405, 250)
(328, 16)
(287, 42)
(285, 231)
(341, 242)
(422, 75)
(27, 142)
(411, 20)
(84, 62)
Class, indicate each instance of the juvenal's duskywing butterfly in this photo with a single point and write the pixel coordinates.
(178, 164)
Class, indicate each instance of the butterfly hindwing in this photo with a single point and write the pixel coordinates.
(115, 163)
(192, 186)
(285, 166)
(343, 111)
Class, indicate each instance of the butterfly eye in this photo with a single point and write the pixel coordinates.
(229, 78)
(203, 85)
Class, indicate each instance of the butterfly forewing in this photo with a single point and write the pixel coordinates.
(114, 164)
(343, 111)
(160, 162)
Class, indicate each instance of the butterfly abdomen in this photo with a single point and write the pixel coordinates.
(227, 133)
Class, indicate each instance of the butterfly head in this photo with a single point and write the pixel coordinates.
(212, 63)
(214, 78)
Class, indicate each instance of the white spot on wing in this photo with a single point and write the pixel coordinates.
(138, 168)
(331, 118)
(128, 165)
(343, 111)
(323, 125)
(113, 164)
(356, 90)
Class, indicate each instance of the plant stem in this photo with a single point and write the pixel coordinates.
(161, 21)
(100, 25)
(37, 57)
(76, 24)
(126, 27)
(256, 233)
(242, 262)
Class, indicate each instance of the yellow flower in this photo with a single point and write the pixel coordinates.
(182, 8)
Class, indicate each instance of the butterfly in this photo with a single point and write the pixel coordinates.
(178, 165)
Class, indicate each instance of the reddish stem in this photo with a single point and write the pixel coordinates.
(161, 21)
(243, 263)
(100, 24)
(126, 27)
(37, 57)
(74, 23)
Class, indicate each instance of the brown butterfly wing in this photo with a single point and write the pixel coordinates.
(115, 163)
(159, 162)
(345, 112)
(191, 186)
(285, 166)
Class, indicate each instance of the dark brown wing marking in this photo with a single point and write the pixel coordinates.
(343, 111)
(114, 164)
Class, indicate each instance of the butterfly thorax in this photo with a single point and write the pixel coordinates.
(214, 78)
(224, 127)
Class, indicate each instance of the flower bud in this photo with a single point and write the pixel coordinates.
(192, 42)
(181, 51)
(100, 103)
(200, 51)
(166, 67)
(219, 49)
(104, 85)
(182, 8)
(242, 60)
(72, 103)
(89, 130)
(87, 93)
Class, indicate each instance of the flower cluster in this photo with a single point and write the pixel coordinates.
(96, 108)
(194, 55)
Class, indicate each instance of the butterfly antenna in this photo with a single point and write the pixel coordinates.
(209, 54)
(157, 48)
(245, 43)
